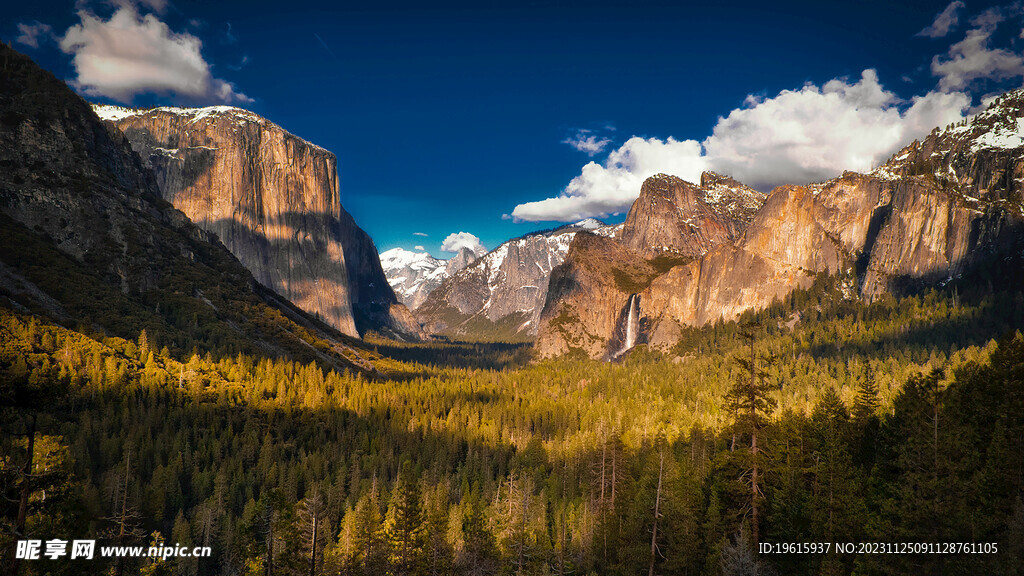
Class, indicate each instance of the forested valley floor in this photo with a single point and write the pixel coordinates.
(901, 420)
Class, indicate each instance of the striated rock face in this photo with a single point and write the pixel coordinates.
(272, 199)
(780, 251)
(66, 175)
(501, 294)
(675, 216)
(936, 209)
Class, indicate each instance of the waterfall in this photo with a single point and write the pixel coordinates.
(632, 322)
(631, 331)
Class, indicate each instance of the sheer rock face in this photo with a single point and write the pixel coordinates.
(272, 199)
(936, 209)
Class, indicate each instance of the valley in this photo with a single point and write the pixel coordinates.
(200, 346)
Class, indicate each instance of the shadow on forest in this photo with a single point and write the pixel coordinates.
(464, 355)
(372, 441)
(973, 324)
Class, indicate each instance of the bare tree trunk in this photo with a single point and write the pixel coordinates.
(124, 510)
(270, 543)
(26, 490)
(521, 561)
(615, 449)
(657, 503)
(312, 545)
(753, 445)
(753, 489)
(604, 509)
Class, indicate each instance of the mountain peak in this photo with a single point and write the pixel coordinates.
(976, 157)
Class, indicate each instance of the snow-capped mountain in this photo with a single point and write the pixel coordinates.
(978, 159)
(412, 275)
(502, 293)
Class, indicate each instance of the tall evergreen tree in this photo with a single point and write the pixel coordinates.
(750, 399)
(405, 524)
(370, 543)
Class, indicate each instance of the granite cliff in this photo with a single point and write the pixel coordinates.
(676, 217)
(88, 241)
(937, 209)
(272, 199)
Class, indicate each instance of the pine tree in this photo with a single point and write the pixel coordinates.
(479, 552)
(369, 541)
(751, 401)
(866, 403)
(405, 523)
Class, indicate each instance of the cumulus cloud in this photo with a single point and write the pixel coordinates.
(815, 133)
(944, 22)
(459, 240)
(132, 54)
(420, 234)
(604, 189)
(973, 58)
(421, 248)
(797, 136)
(588, 142)
(31, 34)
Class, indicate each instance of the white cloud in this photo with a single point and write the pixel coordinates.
(798, 136)
(601, 190)
(419, 234)
(419, 248)
(31, 34)
(133, 54)
(815, 133)
(973, 58)
(458, 240)
(944, 21)
(587, 141)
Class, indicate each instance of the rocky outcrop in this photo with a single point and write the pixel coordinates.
(587, 294)
(68, 176)
(677, 217)
(272, 199)
(501, 294)
(780, 251)
(463, 258)
(938, 208)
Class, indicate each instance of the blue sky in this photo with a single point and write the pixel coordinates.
(484, 117)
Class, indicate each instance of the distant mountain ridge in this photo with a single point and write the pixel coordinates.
(273, 199)
(500, 295)
(414, 275)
